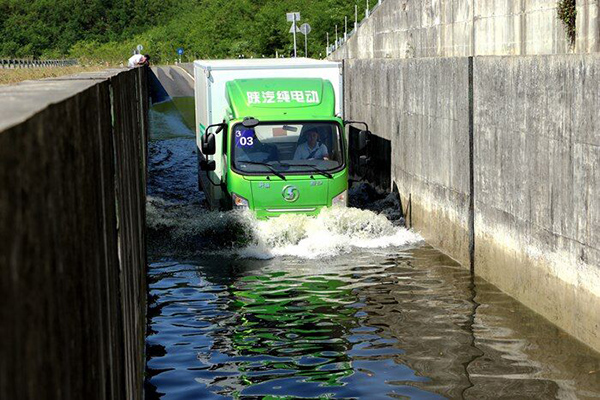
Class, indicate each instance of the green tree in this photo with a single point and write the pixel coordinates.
(108, 30)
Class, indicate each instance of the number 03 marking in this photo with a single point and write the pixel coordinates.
(244, 141)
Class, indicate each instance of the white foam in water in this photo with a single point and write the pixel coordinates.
(333, 231)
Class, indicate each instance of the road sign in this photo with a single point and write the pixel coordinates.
(305, 28)
(293, 16)
(180, 51)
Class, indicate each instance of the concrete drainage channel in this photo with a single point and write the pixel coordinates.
(297, 308)
(495, 139)
(396, 318)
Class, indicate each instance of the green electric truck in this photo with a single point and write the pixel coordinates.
(270, 135)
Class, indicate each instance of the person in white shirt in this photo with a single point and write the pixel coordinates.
(312, 149)
(137, 60)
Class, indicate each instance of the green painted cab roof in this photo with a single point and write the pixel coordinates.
(281, 98)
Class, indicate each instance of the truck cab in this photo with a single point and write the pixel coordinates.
(279, 147)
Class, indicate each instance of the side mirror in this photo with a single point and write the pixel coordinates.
(363, 161)
(363, 139)
(208, 165)
(208, 144)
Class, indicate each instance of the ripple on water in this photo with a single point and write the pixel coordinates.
(361, 325)
(278, 333)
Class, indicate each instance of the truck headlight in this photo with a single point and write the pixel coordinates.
(341, 200)
(238, 201)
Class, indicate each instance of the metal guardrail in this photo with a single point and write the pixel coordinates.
(339, 41)
(30, 63)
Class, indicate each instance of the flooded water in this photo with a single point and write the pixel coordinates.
(347, 305)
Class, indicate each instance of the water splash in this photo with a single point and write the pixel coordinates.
(191, 229)
(333, 231)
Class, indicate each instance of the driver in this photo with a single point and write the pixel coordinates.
(312, 149)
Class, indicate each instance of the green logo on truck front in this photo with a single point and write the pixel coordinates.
(290, 193)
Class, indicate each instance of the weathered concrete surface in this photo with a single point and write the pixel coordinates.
(537, 185)
(458, 28)
(422, 107)
(535, 221)
(188, 67)
(72, 253)
(510, 182)
(171, 81)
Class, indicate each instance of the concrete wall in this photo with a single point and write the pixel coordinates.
(499, 155)
(422, 107)
(508, 183)
(459, 28)
(170, 81)
(72, 253)
(537, 185)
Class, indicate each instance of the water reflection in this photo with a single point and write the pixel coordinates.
(273, 329)
(370, 325)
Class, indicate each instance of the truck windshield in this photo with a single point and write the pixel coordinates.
(287, 147)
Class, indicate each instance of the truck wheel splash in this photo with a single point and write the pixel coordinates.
(335, 230)
(191, 230)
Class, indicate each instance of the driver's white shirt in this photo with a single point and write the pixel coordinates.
(303, 151)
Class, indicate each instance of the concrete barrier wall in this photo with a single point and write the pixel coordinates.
(422, 107)
(499, 155)
(459, 28)
(507, 183)
(72, 252)
(537, 184)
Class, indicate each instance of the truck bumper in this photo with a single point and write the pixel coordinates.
(275, 212)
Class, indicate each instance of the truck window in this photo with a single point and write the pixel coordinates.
(288, 147)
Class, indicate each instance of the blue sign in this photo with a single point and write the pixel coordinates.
(244, 138)
(180, 51)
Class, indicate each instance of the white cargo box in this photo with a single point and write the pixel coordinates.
(211, 76)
